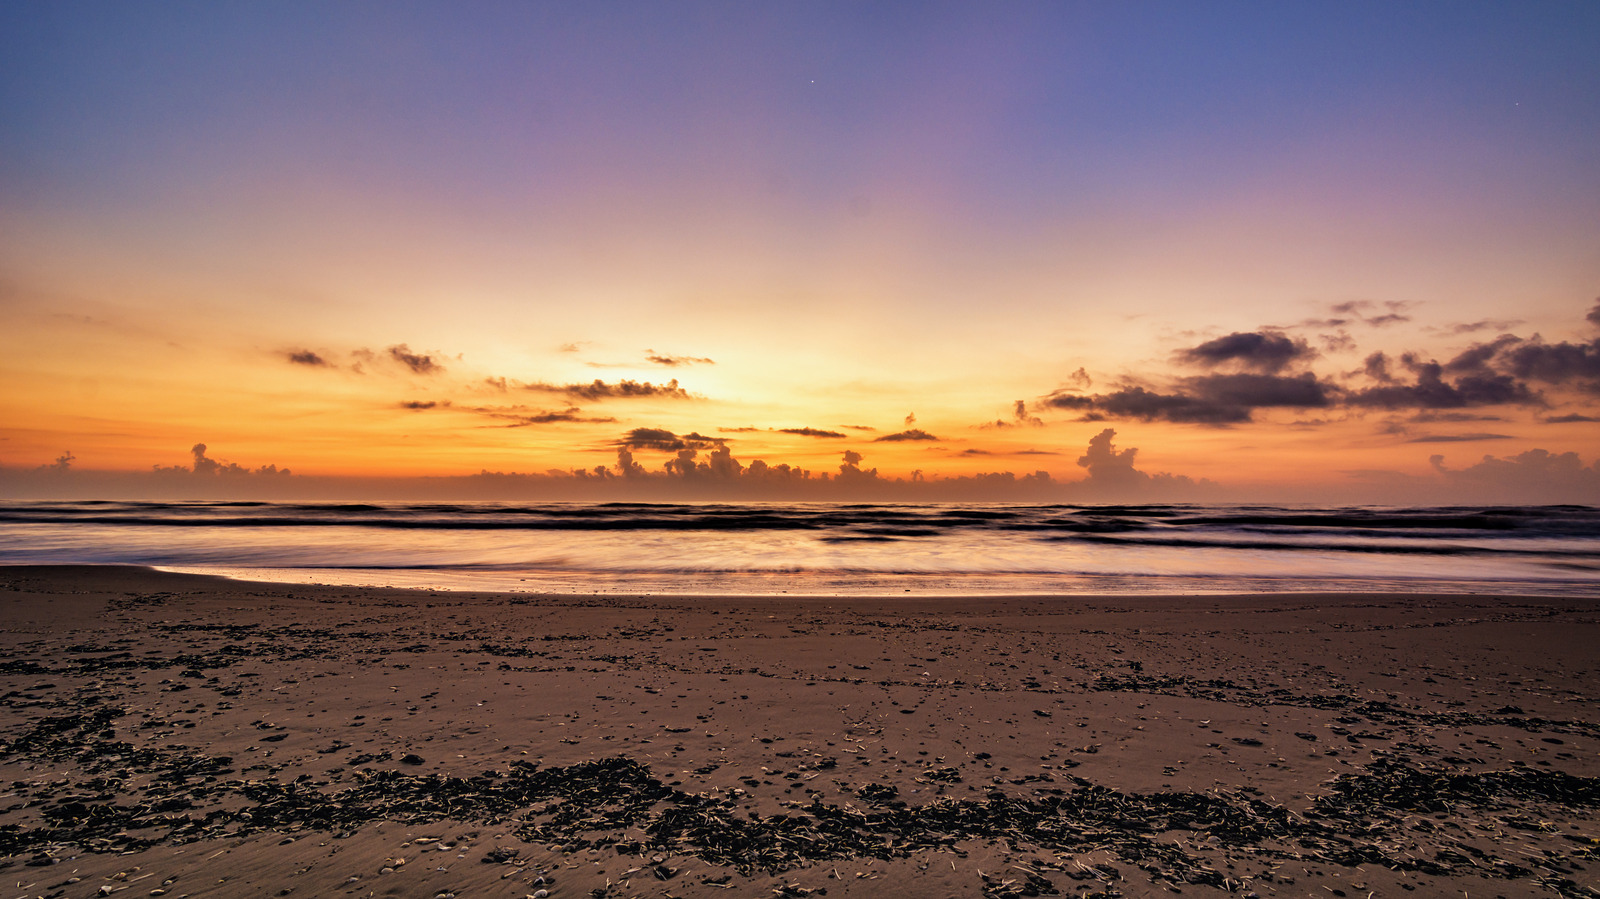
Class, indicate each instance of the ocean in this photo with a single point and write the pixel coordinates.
(830, 549)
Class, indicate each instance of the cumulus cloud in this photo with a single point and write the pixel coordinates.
(911, 418)
(675, 361)
(1112, 473)
(418, 363)
(1265, 352)
(810, 432)
(903, 436)
(1534, 476)
(624, 389)
(307, 357)
(206, 467)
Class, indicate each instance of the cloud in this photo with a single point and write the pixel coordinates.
(666, 441)
(674, 361)
(1593, 317)
(1209, 399)
(206, 467)
(307, 357)
(858, 427)
(545, 418)
(1569, 419)
(809, 432)
(744, 430)
(420, 404)
(624, 389)
(422, 365)
(1266, 352)
(902, 436)
(976, 452)
(911, 418)
(1488, 324)
(1354, 310)
(1570, 364)
(1019, 418)
(1431, 391)
(1534, 476)
(1112, 472)
(1379, 321)
(1453, 417)
(1458, 438)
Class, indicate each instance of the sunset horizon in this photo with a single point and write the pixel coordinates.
(1322, 253)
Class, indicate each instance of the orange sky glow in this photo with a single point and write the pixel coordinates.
(394, 248)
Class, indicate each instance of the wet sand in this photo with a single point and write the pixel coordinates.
(175, 735)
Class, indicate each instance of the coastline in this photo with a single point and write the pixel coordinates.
(251, 737)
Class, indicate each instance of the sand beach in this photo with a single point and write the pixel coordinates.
(177, 735)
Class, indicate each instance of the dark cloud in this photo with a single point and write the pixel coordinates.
(911, 418)
(1019, 418)
(1488, 324)
(744, 430)
(1453, 417)
(624, 389)
(1355, 310)
(1569, 419)
(1080, 379)
(1458, 438)
(1570, 364)
(499, 384)
(419, 364)
(976, 452)
(1035, 452)
(666, 441)
(902, 436)
(858, 427)
(1392, 318)
(1376, 367)
(1266, 352)
(809, 432)
(675, 361)
(422, 404)
(1338, 342)
(1594, 315)
(1432, 391)
(573, 414)
(1210, 399)
(307, 357)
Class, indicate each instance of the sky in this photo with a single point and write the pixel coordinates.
(1329, 251)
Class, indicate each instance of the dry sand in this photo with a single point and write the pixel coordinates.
(184, 736)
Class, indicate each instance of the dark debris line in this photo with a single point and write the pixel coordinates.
(184, 796)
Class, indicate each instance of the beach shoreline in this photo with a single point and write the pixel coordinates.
(206, 736)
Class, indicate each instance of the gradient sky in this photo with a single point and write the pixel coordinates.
(397, 239)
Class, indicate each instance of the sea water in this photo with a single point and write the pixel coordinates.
(830, 549)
